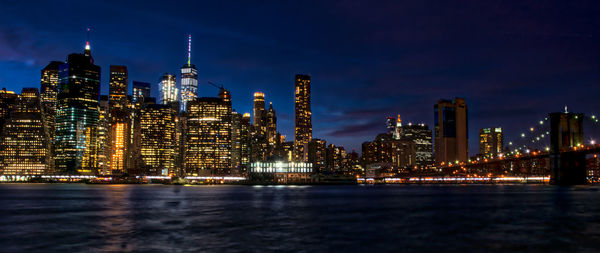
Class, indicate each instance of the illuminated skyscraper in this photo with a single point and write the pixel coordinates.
(240, 142)
(119, 119)
(451, 126)
(260, 114)
(189, 79)
(317, 154)
(167, 89)
(141, 90)
(421, 135)
(208, 137)
(23, 146)
(271, 126)
(158, 141)
(77, 115)
(303, 118)
(104, 137)
(491, 142)
(48, 94)
(8, 101)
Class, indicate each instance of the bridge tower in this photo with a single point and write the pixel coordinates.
(567, 166)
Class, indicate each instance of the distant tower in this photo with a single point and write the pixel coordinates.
(271, 125)
(260, 115)
(303, 118)
(189, 79)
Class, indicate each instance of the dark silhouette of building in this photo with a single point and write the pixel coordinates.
(451, 136)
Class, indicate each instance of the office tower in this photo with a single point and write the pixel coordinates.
(451, 126)
(317, 152)
(167, 89)
(8, 100)
(104, 137)
(189, 79)
(208, 137)
(387, 150)
(48, 94)
(140, 91)
(260, 115)
(119, 119)
(303, 117)
(245, 141)
(421, 136)
(77, 115)
(491, 142)
(271, 122)
(23, 146)
(240, 146)
(158, 141)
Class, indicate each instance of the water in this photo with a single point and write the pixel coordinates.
(399, 218)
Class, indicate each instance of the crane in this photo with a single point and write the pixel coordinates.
(219, 86)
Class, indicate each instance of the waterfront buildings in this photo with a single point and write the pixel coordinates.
(119, 119)
(303, 117)
(317, 154)
(158, 140)
(24, 149)
(77, 115)
(491, 142)
(280, 172)
(400, 154)
(450, 131)
(420, 134)
(208, 137)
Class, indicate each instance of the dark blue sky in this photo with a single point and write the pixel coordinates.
(514, 61)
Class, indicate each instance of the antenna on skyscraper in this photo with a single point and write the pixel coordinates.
(87, 42)
(189, 49)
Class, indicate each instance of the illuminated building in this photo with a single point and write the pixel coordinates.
(280, 172)
(260, 115)
(491, 142)
(317, 152)
(451, 137)
(77, 115)
(189, 79)
(104, 137)
(271, 122)
(240, 138)
(421, 136)
(208, 137)
(140, 90)
(385, 149)
(48, 94)
(167, 89)
(23, 146)
(158, 140)
(119, 119)
(335, 159)
(303, 117)
(8, 100)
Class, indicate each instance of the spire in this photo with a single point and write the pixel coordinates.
(189, 49)
(87, 50)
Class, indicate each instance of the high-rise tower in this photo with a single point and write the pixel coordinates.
(189, 79)
(451, 137)
(167, 89)
(260, 114)
(77, 115)
(303, 118)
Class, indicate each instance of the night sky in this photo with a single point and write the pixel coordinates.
(513, 62)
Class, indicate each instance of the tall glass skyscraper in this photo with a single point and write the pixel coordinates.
(77, 115)
(189, 79)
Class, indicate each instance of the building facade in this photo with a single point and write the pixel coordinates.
(451, 141)
(303, 117)
(158, 140)
(167, 89)
(491, 142)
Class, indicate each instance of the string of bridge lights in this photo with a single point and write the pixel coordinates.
(542, 125)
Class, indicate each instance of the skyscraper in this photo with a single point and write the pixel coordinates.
(260, 115)
(140, 90)
(119, 119)
(77, 115)
(421, 135)
(48, 94)
(104, 137)
(208, 137)
(317, 154)
(189, 79)
(8, 100)
(491, 142)
(23, 146)
(167, 89)
(451, 126)
(303, 118)
(158, 141)
(271, 122)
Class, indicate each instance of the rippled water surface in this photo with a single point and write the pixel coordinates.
(399, 218)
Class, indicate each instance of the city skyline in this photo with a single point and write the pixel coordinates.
(403, 79)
